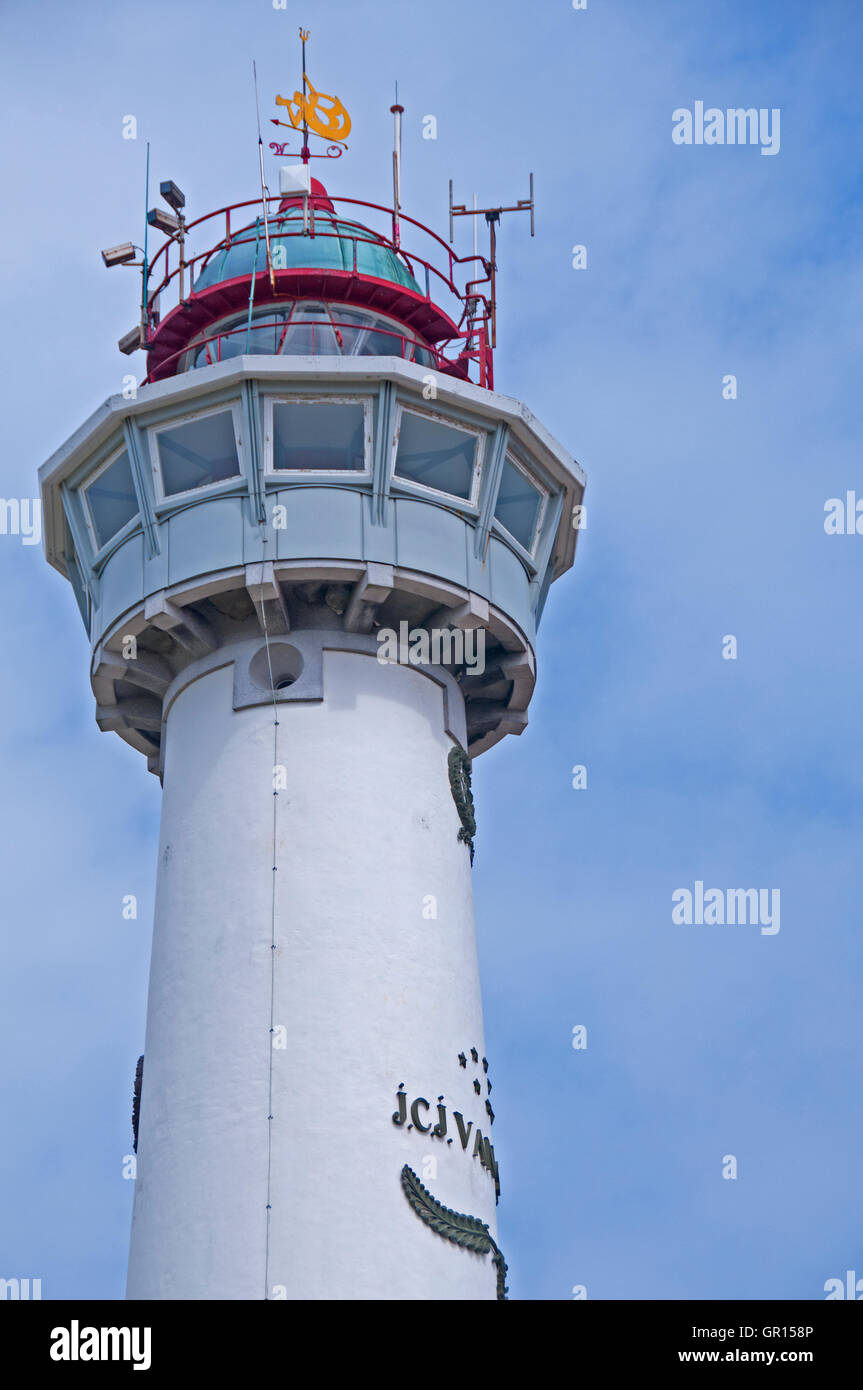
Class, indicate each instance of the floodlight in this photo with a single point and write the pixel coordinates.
(173, 195)
(165, 221)
(131, 341)
(119, 255)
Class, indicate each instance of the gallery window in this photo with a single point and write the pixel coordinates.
(519, 505)
(319, 436)
(111, 501)
(437, 455)
(196, 453)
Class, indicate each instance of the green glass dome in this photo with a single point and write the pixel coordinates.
(332, 248)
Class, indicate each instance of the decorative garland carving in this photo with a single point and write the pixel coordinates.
(458, 764)
(467, 1231)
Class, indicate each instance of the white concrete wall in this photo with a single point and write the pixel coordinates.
(371, 994)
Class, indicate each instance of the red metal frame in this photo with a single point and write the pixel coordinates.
(466, 327)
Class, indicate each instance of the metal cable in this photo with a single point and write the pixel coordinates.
(272, 929)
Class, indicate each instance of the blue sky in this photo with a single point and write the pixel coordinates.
(705, 518)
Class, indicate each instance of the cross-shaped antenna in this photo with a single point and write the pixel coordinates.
(492, 217)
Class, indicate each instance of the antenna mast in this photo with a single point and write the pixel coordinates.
(492, 217)
(306, 152)
(265, 192)
(145, 317)
(397, 168)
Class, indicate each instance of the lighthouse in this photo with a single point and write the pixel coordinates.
(311, 552)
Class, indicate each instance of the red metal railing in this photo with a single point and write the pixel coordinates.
(464, 300)
(403, 345)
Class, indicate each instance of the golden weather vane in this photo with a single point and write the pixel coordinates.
(311, 110)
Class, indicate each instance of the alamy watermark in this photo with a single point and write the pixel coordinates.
(437, 646)
(844, 515)
(77, 1343)
(20, 1289)
(850, 1287)
(21, 517)
(737, 125)
(718, 907)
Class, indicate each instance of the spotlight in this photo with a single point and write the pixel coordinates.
(131, 341)
(173, 195)
(119, 255)
(165, 221)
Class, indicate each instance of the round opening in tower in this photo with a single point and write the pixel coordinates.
(275, 667)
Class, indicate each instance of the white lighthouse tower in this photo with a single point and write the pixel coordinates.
(311, 555)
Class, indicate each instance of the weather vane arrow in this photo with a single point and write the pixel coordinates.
(313, 111)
